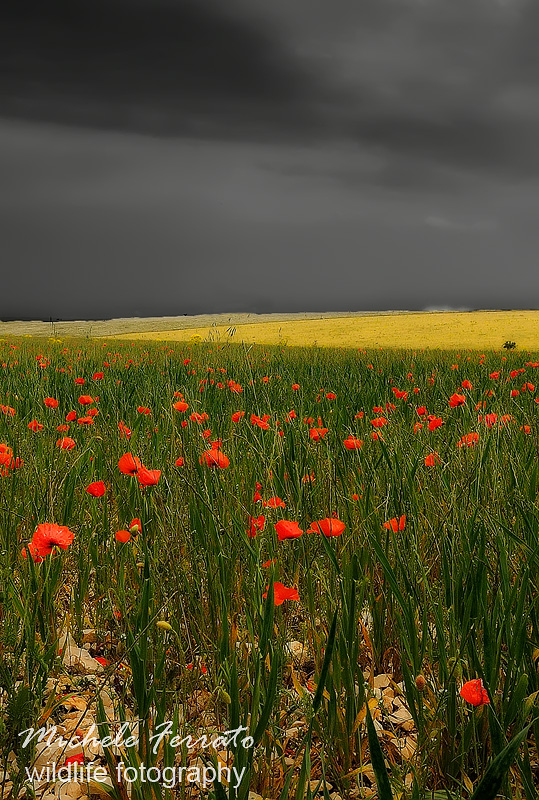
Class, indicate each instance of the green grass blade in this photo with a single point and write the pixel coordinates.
(378, 763)
(490, 783)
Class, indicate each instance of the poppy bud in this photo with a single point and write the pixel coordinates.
(420, 683)
(223, 696)
(164, 625)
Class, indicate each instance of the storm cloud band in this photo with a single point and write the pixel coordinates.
(191, 156)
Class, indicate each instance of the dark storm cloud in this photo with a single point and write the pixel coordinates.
(448, 81)
(460, 86)
(185, 67)
(453, 82)
(100, 225)
(310, 155)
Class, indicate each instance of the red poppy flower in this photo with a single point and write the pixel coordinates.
(466, 384)
(180, 461)
(35, 426)
(86, 400)
(435, 422)
(122, 536)
(71, 416)
(281, 593)
(457, 400)
(129, 464)
(331, 396)
(256, 524)
(103, 661)
(295, 387)
(85, 420)
(329, 527)
(274, 502)
(468, 440)
(351, 443)
(96, 489)
(199, 418)
(214, 458)
(421, 410)
(396, 524)
(261, 422)
(148, 477)
(65, 443)
(475, 693)
(124, 430)
(181, 405)
(79, 381)
(97, 376)
(201, 666)
(5, 450)
(79, 757)
(400, 395)
(287, 530)
(51, 402)
(135, 526)
(46, 536)
(378, 422)
(317, 433)
(7, 461)
(237, 416)
(144, 410)
(432, 459)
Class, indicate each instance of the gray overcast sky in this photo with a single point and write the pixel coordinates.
(174, 157)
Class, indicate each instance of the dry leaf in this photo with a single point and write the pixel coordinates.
(382, 681)
(75, 701)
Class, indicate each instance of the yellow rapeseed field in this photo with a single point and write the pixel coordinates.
(445, 330)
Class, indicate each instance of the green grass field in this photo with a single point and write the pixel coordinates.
(338, 643)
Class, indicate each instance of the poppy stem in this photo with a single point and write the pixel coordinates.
(476, 754)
